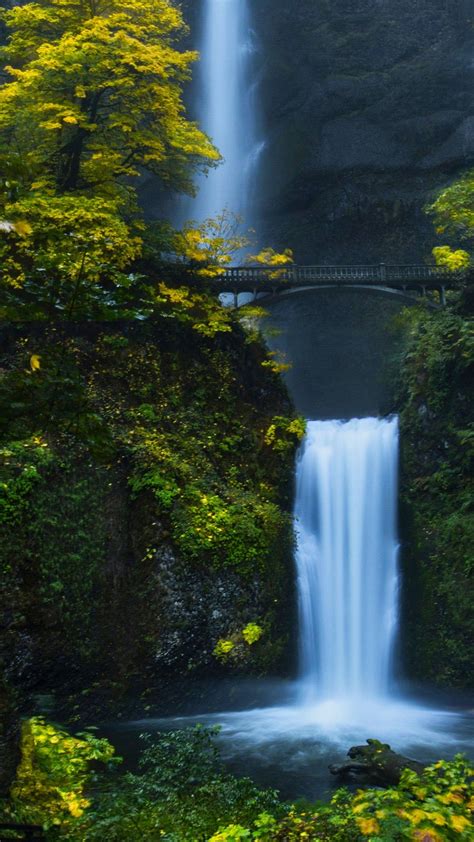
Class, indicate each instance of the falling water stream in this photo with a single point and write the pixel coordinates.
(227, 110)
(345, 512)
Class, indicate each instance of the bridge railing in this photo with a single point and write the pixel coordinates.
(378, 274)
(421, 273)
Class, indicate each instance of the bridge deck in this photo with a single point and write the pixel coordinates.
(268, 279)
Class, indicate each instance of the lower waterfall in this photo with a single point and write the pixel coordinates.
(345, 514)
(346, 560)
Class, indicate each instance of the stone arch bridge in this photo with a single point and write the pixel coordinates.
(407, 280)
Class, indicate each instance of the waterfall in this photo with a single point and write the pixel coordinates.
(227, 110)
(346, 492)
(347, 581)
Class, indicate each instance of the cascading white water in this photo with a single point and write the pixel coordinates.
(347, 581)
(346, 557)
(227, 108)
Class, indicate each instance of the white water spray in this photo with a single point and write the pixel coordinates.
(227, 108)
(347, 583)
(347, 558)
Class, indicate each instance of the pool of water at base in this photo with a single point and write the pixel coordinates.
(289, 747)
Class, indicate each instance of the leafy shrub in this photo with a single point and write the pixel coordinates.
(54, 773)
(181, 794)
(223, 649)
(284, 433)
(433, 807)
(236, 647)
(251, 633)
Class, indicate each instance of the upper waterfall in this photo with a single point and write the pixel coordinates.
(347, 556)
(227, 110)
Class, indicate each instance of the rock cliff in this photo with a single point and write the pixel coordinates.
(150, 525)
(367, 109)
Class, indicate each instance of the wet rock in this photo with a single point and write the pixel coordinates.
(375, 763)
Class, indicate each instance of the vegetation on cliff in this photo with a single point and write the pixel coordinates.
(139, 477)
(437, 435)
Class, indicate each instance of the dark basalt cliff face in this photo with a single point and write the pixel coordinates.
(367, 109)
(131, 547)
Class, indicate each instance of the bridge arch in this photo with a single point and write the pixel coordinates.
(407, 296)
(343, 345)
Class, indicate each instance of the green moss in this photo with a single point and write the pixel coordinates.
(52, 550)
(437, 493)
(156, 441)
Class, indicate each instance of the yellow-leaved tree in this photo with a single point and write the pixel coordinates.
(92, 99)
(453, 212)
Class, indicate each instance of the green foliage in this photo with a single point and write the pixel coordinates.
(433, 807)
(453, 213)
(202, 313)
(48, 537)
(223, 649)
(284, 433)
(437, 457)
(251, 633)
(181, 794)
(124, 446)
(95, 92)
(236, 647)
(207, 249)
(436, 804)
(70, 238)
(239, 532)
(274, 262)
(453, 210)
(54, 772)
(447, 257)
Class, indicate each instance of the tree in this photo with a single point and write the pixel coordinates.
(273, 261)
(96, 93)
(453, 212)
(207, 249)
(93, 98)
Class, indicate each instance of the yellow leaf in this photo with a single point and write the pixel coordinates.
(417, 816)
(369, 827)
(359, 808)
(23, 228)
(438, 819)
(460, 823)
(70, 119)
(35, 362)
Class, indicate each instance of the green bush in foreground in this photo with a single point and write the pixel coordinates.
(433, 807)
(181, 793)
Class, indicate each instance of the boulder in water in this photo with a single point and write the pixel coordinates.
(376, 764)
